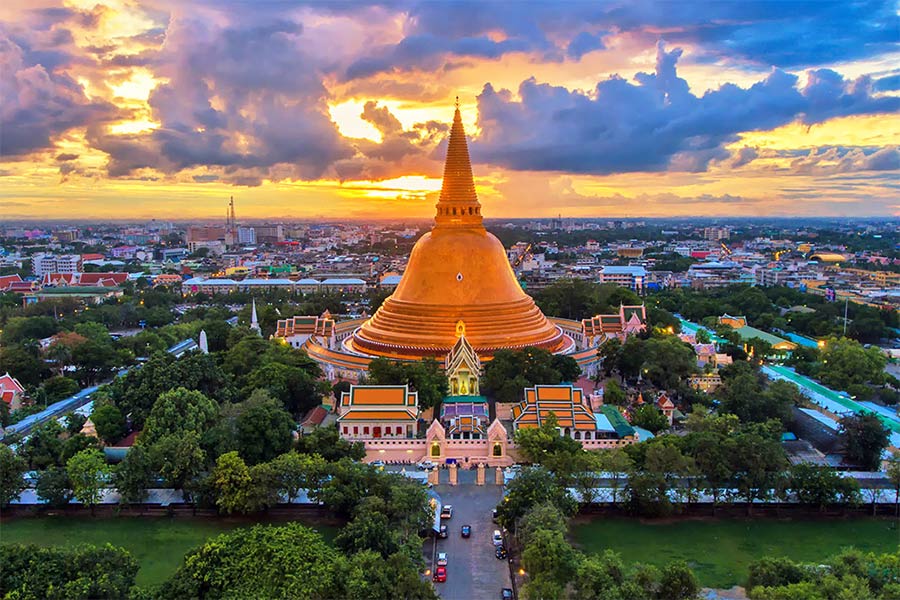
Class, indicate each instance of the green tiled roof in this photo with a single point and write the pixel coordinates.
(474, 399)
(748, 333)
(615, 418)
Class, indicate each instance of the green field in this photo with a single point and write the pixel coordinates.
(158, 543)
(720, 550)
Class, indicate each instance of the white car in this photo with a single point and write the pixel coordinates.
(442, 559)
(497, 538)
(447, 511)
(426, 465)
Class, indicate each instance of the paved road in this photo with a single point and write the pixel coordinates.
(473, 572)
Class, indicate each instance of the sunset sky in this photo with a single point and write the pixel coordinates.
(165, 108)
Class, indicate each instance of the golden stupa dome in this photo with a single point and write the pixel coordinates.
(456, 272)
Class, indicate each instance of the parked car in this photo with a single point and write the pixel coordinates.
(440, 574)
(378, 464)
(443, 532)
(447, 511)
(500, 552)
(426, 465)
(506, 594)
(494, 515)
(442, 559)
(497, 538)
(466, 531)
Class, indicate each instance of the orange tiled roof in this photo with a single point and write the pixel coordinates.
(377, 415)
(379, 395)
(563, 401)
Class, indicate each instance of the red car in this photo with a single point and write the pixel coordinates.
(440, 574)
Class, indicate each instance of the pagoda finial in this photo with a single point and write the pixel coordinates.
(458, 205)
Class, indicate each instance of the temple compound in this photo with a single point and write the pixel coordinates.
(458, 302)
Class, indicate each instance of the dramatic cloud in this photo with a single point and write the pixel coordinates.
(38, 100)
(655, 123)
(352, 101)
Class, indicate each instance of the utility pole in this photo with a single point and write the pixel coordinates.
(846, 301)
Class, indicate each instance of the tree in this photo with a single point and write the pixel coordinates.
(109, 422)
(133, 476)
(178, 459)
(821, 486)
(864, 438)
(549, 556)
(614, 394)
(57, 573)
(12, 475)
(252, 562)
(544, 445)
(667, 361)
(58, 388)
(75, 423)
(136, 393)
(893, 473)
(53, 487)
(678, 582)
(297, 390)
(23, 361)
(177, 412)
(650, 418)
(295, 472)
(616, 464)
(712, 452)
(542, 517)
(44, 447)
(757, 462)
(88, 473)
(846, 363)
(76, 443)
(327, 442)
(263, 429)
(512, 370)
(231, 478)
(533, 486)
(610, 353)
(425, 377)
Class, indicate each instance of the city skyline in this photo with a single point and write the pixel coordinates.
(159, 109)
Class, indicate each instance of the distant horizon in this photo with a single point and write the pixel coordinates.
(425, 220)
(166, 108)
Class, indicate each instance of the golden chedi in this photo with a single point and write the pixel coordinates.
(457, 272)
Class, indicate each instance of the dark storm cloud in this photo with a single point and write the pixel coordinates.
(655, 123)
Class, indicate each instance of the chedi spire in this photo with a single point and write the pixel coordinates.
(458, 204)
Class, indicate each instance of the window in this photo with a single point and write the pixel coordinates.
(346, 430)
(435, 449)
(498, 449)
(365, 431)
(355, 430)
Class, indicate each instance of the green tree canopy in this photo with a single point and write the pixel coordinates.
(59, 573)
(178, 411)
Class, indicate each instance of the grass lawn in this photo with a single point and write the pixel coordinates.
(158, 543)
(719, 550)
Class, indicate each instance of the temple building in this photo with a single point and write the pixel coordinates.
(378, 411)
(629, 320)
(457, 272)
(574, 416)
(297, 330)
(464, 413)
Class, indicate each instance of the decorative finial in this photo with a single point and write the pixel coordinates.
(457, 103)
(460, 328)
